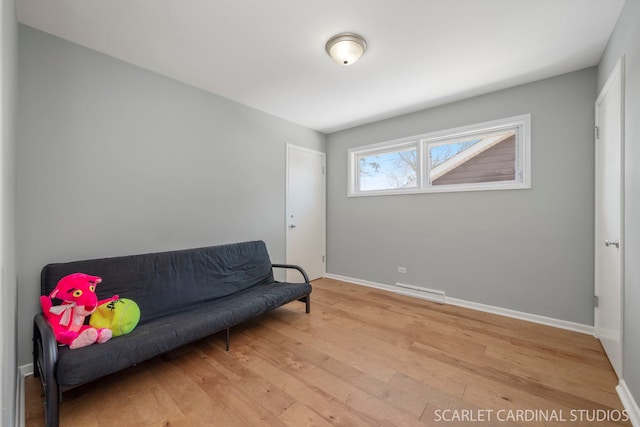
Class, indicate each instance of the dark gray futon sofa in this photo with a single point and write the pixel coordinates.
(183, 296)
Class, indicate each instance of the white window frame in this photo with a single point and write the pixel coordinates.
(521, 124)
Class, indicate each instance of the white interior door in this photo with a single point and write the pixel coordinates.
(609, 217)
(306, 211)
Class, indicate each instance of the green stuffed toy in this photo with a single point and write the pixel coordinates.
(121, 316)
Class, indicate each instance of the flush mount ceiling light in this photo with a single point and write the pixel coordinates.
(346, 48)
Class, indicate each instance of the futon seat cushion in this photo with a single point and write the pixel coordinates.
(155, 337)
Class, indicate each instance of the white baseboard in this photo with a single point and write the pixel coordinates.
(629, 403)
(535, 318)
(23, 371)
(359, 282)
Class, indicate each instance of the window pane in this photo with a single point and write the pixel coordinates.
(387, 170)
(484, 158)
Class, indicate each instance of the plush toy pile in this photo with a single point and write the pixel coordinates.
(78, 293)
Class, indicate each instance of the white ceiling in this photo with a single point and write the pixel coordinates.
(269, 54)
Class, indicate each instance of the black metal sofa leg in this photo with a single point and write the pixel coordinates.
(51, 408)
(227, 342)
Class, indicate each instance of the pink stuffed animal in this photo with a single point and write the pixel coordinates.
(77, 290)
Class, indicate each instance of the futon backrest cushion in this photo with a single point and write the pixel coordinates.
(167, 282)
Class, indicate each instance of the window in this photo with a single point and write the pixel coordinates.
(487, 156)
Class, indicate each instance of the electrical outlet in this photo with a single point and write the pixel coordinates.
(402, 270)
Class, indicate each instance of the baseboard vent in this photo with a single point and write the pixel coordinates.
(418, 292)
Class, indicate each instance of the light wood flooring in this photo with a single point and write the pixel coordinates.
(362, 357)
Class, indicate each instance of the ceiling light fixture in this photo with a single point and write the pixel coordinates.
(346, 48)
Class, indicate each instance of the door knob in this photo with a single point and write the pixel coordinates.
(615, 243)
(292, 226)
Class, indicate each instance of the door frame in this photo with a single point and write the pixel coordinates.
(618, 71)
(324, 203)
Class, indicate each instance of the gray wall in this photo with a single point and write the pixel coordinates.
(625, 40)
(8, 289)
(526, 250)
(115, 160)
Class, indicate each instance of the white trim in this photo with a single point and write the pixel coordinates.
(359, 282)
(23, 372)
(535, 318)
(26, 370)
(629, 403)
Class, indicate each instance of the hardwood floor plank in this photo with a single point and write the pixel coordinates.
(333, 385)
(336, 343)
(301, 415)
(348, 370)
(189, 394)
(362, 357)
(309, 395)
(504, 379)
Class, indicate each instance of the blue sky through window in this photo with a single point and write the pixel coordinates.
(388, 170)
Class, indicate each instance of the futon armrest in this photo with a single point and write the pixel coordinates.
(295, 267)
(45, 359)
(45, 344)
